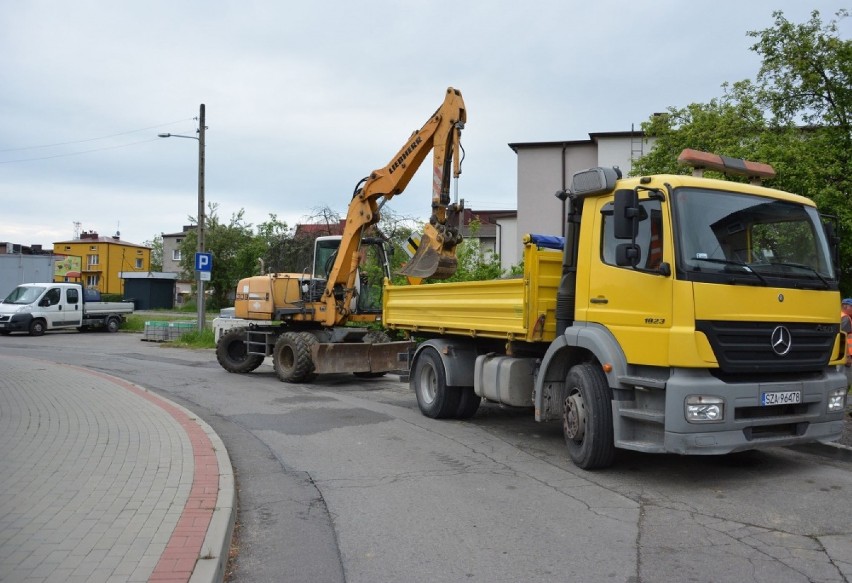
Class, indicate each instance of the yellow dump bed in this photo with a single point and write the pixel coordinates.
(518, 309)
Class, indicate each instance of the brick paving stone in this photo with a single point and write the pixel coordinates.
(98, 478)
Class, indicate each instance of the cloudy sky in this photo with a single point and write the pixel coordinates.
(305, 98)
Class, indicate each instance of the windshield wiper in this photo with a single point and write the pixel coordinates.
(806, 268)
(745, 266)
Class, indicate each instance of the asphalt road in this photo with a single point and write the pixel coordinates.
(344, 480)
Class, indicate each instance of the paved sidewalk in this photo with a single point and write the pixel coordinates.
(101, 480)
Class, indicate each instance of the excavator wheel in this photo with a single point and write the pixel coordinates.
(232, 354)
(291, 357)
(374, 337)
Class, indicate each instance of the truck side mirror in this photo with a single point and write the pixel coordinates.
(628, 254)
(626, 214)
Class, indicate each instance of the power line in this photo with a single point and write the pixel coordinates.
(92, 139)
(80, 152)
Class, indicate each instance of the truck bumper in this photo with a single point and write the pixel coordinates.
(746, 423)
(16, 323)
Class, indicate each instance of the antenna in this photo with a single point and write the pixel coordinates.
(77, 225)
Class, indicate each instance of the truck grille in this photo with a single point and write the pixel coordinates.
(746, 347)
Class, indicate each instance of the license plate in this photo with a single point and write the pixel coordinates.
(781, 398)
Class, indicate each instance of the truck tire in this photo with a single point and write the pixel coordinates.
(232, 354)
(37, 327)
(374, 337)
(112, 324)
(291, 357)
(429, 382)
(587, 418)
(469, 403)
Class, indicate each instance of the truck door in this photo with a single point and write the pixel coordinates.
(74, 307)
(51, 306)
(635, 304)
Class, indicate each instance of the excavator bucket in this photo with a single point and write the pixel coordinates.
(431, 260)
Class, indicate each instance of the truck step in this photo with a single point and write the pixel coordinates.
(649, 415)
(645, 446)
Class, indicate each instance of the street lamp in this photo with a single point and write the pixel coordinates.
(200, 226)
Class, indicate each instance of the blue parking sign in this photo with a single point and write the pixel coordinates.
(203, 262)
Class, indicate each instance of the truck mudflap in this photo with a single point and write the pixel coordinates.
(348, 357)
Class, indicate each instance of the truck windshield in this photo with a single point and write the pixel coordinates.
(725, 237)
(23, 295)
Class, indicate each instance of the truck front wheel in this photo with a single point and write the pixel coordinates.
(291, 357)
(232, 354)
(37, 327)
(429, 382)
(587, 418)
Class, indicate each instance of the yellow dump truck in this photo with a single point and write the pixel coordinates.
(680, 314)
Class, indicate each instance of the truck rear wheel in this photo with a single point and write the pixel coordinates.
(429, 382)
(37, 327)
(113, 324)
(587, 418)
(375, 337)
(232, 354)
(469, 403)
(291, 357)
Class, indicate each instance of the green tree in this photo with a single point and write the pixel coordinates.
(235, 250)
(156, 246)
(795, 115)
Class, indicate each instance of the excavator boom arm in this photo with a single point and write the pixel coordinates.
(435, 257)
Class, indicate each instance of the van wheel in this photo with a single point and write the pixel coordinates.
(37, 327)
(587, 418)
(429, 382)
(113, 324)
(291, 357)
(375, 337)
(232, 354)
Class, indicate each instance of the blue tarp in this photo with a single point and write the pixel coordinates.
(548, 241)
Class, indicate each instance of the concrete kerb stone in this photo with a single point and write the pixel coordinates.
(215, 549)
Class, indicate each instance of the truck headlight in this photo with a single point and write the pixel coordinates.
(836, 400)
(704, 409)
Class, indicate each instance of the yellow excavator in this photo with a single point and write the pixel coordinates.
(300, 320)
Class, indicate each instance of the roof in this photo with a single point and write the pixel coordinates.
(593, 138)
(112, 240)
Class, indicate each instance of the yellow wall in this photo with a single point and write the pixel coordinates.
(113, 257)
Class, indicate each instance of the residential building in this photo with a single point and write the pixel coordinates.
(544, 168)
(102, 259)
(172, 259)
(497, 232)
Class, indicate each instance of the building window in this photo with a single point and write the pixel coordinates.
(92, 260)
(93, 248)
(176, 255)
(68, 247)
(138, 263)
(92, 280)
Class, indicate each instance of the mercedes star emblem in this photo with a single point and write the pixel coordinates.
(781, 340)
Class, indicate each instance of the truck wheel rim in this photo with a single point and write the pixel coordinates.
(574, 422)
(428, 384)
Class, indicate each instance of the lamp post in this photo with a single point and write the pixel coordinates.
(201, 220)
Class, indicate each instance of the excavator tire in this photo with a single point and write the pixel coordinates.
(291, 357)
(232, 354)
(374, 337)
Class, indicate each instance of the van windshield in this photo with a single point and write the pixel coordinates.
(23, 295)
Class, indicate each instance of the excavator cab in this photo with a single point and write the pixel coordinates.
(373, 268)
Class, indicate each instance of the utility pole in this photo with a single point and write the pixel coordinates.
(201, 220)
